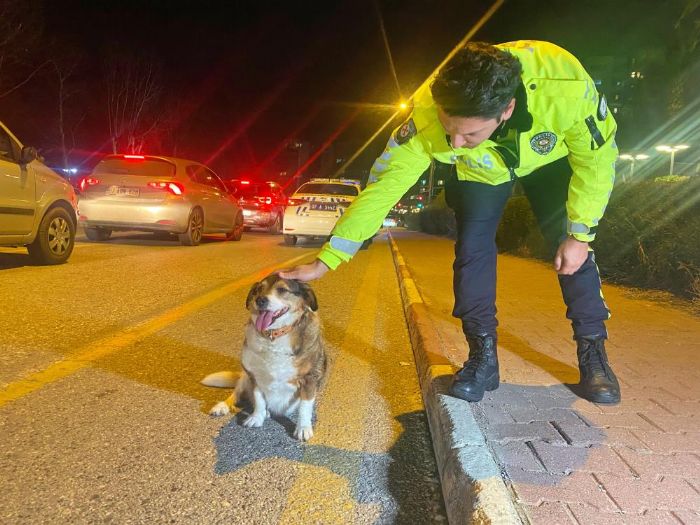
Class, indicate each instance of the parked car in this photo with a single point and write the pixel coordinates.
(262, 203)
(37, 206)
(316, 206)
(157, 194)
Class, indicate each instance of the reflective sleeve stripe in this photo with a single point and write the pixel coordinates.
(577, 227)
(345, 245)
(595, 132)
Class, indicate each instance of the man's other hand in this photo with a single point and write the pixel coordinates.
(305, 272)
(570, 256)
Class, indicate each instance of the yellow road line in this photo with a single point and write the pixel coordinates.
(318, 495)
(107, 345)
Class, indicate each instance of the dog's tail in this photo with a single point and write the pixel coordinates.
(221, 379)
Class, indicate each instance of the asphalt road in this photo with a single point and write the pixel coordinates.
(103, 419)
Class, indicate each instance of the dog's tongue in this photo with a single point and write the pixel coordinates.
(265, 318)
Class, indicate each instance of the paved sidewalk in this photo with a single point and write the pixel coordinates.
(564, 459)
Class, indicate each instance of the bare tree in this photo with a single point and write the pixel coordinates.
(133, 96)
(64, 67)
(20, 31)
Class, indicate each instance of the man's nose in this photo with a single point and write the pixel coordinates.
(261, 302)
(456, 141)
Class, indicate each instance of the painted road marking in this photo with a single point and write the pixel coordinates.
(341, 418)
(112, 343)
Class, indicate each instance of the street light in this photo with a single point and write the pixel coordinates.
(672, 150)
(632, 159)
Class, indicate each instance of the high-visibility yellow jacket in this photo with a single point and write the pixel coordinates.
(560, 114)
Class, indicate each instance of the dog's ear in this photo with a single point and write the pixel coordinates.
(308, 295)
(251, 294)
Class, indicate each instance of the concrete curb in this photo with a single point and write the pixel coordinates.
(472, 486)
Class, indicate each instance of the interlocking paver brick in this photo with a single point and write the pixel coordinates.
(675, 423)
(631, 421)
(519, 455)
(523, 432)
(650, 465)
(550, 513)
(638, 495)
(687, 517)
(589, 516)
(529, 415)
(563, 460)
(668, 443)
(578, 487)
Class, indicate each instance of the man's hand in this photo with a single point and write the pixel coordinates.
(570, 256)
(305, 272)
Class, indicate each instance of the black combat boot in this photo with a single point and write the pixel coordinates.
(480, 371)
(598, 382)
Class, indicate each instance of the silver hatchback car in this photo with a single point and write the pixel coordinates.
(37, 206)
(157, 194)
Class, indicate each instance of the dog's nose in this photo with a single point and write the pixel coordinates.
(261, 302)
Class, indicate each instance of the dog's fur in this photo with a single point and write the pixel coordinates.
(284, 360)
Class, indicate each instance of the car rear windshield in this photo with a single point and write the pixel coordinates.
(252, 191)
(328, 189)
(145, 167)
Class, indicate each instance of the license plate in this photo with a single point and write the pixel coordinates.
(323, 206)
(123, 191)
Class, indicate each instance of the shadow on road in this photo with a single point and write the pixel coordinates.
(8, 261)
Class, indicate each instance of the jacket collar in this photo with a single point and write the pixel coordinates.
(520, 120)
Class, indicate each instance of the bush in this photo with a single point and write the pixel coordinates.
(648, 238)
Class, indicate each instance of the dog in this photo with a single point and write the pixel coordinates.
(283, 357)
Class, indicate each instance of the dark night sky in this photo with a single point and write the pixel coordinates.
(256, 70)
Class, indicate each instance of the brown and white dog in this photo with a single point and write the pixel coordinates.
(283, 357)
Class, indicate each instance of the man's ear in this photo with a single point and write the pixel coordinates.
(251, 294)
(508, 112)
(309, 296)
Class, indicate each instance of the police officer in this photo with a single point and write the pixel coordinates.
(522, 111)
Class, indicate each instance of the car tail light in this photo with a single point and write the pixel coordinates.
(245, 182)
(172, 187)
(134, 157)
(88, 181)
(295, 202)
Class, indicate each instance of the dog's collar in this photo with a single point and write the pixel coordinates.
(277, 332)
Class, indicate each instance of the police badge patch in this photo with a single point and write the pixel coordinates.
(405, 132)
(543, 142)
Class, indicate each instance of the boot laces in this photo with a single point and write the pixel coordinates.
(594, 356)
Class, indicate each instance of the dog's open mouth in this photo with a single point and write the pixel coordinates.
(267, 317)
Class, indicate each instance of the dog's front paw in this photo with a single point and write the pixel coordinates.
(220, 409)
(254, 420)
(304, 433)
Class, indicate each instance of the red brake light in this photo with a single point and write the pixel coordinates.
(245, 182)
(173, 187)
(88, 181)
(295, 202)
(137, 157)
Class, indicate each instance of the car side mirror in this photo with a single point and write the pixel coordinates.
(28, 155)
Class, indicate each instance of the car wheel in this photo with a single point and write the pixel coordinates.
(55, 239)
(276, 227)
(195, 227)
(290, 240)
(237, 232)
(97, 234)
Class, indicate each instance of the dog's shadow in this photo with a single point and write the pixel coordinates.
(373, 478)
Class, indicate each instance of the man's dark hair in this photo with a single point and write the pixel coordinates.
(479, 81)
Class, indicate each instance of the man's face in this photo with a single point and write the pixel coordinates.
(469, 132)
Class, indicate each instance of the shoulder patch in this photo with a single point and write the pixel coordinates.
(602, 107)
(544, 142)
(405, 132)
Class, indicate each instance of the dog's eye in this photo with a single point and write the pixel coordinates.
(281, 290)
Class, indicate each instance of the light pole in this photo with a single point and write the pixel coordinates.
(632, 159)
(672, 150)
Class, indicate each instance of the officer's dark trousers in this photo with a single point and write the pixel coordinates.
(478, 208)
